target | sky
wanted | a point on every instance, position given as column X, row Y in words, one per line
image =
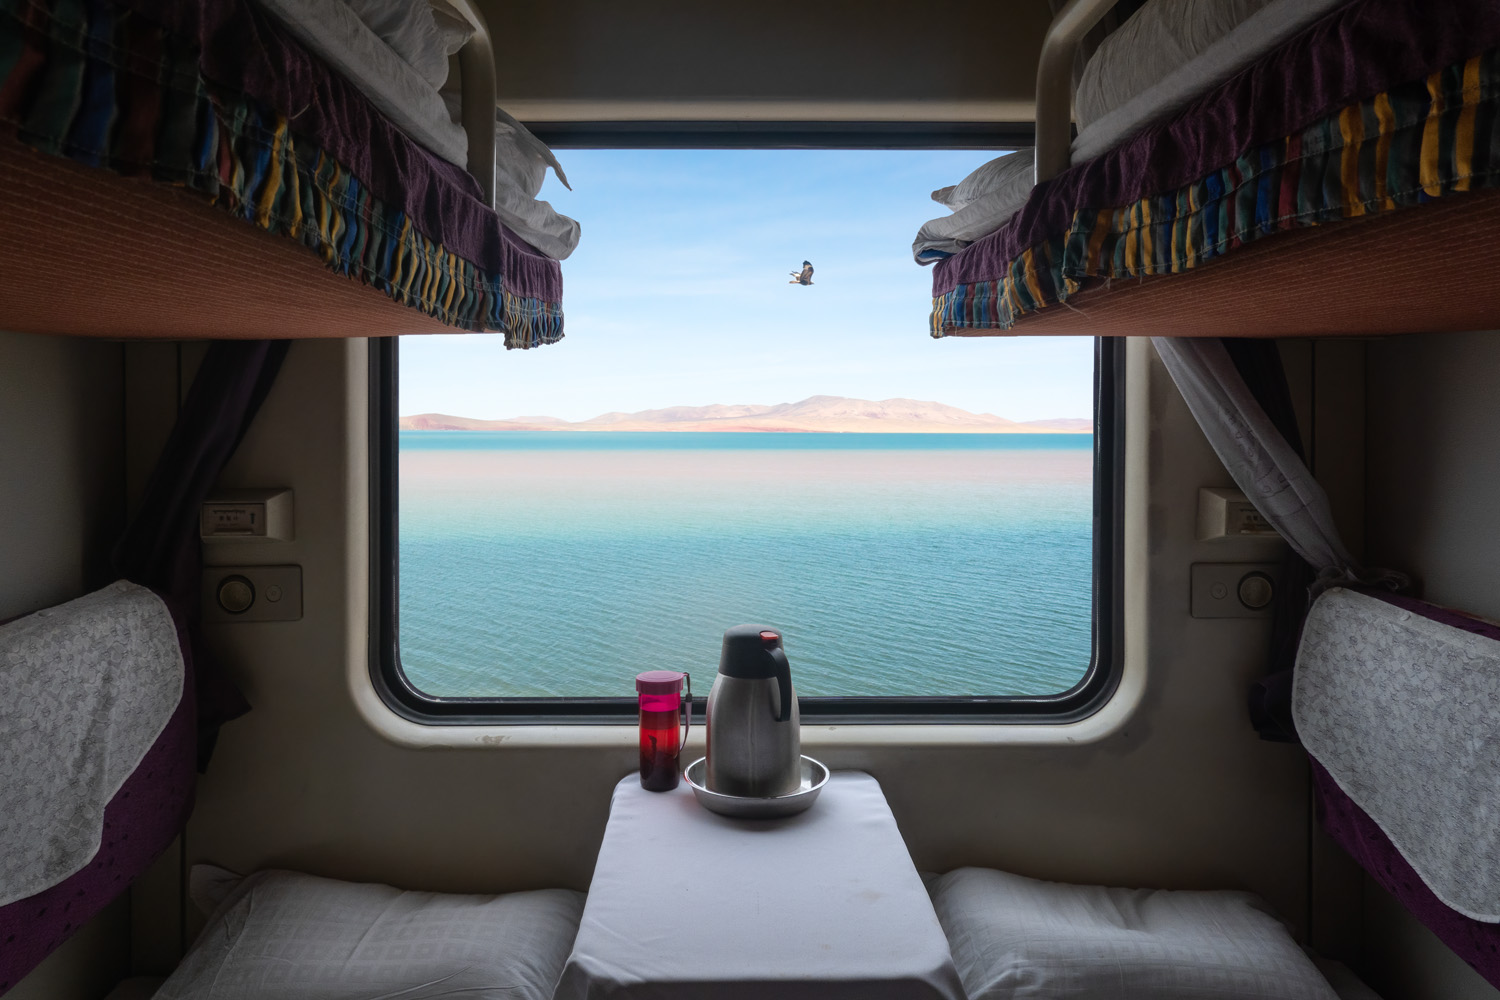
column 679, row 295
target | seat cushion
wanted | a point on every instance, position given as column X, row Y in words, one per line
column 1015, row 937
column 281, row 935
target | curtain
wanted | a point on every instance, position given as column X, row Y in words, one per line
column 160, row 547
column 1237, row 392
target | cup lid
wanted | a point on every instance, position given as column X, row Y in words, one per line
column 659, row 682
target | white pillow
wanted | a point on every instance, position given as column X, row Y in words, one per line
column 1154, row 41
column 281, row 935
column 982, row 202
column 454, row 30
column 521, row 162
column 1010, row 175
column 409, row 28
column 1015, row 937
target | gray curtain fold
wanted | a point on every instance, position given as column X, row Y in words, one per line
column 160, row 547
column 1237, row 392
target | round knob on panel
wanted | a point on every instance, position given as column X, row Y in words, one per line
column 1256, row 590
column 236, row 594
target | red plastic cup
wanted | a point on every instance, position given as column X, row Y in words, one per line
column 663, row 726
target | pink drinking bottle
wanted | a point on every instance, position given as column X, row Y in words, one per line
column 661, row 704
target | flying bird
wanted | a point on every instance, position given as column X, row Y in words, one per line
column 804, row 276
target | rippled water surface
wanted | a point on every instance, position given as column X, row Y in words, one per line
column 563, row 563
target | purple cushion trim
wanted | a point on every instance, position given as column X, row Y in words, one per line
column 1476, row 943
column 1351, row 55
column 1439, row 614
column 140, row 822
column 243, row 49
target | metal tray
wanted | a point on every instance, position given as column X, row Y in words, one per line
column 814, row 777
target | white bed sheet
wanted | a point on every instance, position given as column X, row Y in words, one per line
column 1167, row 54
column 334, row 32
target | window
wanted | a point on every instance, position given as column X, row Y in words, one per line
column 930, row 524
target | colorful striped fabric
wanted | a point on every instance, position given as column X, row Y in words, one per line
column 1414, row 143
column 104, row 87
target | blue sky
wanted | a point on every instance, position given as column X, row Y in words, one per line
column 678, row 294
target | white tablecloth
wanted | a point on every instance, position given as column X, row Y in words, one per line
column 687, row 904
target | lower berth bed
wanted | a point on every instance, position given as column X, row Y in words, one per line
column 1014, row 937
column 280, row 935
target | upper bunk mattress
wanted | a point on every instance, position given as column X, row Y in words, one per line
column 1168, row 53
column 216, row 98
column 1171, row 51
column 1374, row 107
column 332, row 30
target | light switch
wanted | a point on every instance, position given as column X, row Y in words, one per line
column 1225, row 513
column 252, row 593
column 247, row 516
column 1234, row 590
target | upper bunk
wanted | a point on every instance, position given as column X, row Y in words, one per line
column 229, row 169
column 1304, row 167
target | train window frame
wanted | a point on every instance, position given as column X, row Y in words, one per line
column 1087, row 697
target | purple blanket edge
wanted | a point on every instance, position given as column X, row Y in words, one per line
column 1353, row 829
column 140, row 822
column 1352, row 54
column 246, row 50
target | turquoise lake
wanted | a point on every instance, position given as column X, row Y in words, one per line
column 563, row 563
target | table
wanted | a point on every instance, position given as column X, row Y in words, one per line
column 685, row 904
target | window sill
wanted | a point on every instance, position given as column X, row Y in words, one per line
column 1111, row 718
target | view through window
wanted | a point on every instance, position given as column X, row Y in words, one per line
column 715, row 443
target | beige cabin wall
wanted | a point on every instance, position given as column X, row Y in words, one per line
column 1183, row 795
column 1433, row 479
column 61, row 446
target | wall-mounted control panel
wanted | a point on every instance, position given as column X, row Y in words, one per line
column 1234, row 590
column 252, row 593
column 1225, row 513
column 247, row 516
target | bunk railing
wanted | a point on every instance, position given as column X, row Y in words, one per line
column 1054, row 83
column 476, row 73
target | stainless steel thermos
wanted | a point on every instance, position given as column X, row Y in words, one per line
column 754, row 729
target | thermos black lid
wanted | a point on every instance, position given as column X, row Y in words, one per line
column 751, row 652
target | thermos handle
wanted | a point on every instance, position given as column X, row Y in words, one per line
column 687, row 714
column 783, row 682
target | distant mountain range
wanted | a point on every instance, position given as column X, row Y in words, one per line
column 814, row 414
